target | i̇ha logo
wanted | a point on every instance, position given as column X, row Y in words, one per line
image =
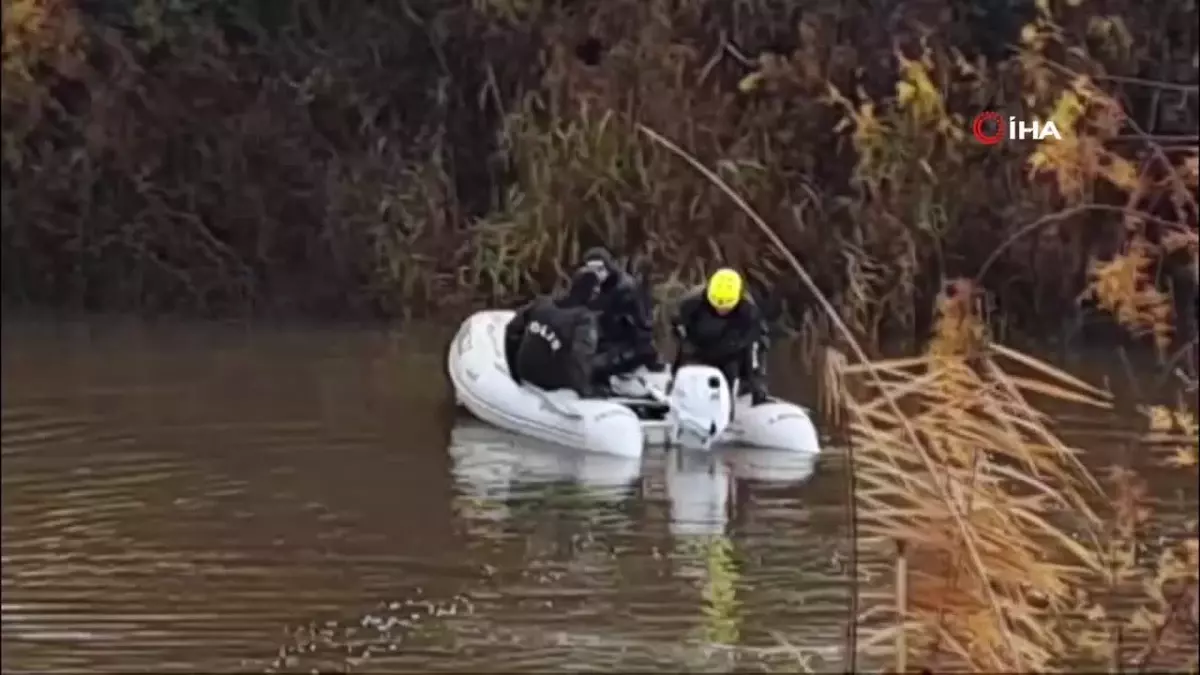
column 990, row 128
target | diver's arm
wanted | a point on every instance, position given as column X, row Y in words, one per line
column 681, row 322
column 583, row 352
column 685, row 312
column 635, row 344
column 641, row 313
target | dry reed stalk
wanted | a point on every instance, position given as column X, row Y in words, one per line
column 1004, row 469
column 966, row 478
column 901, row 605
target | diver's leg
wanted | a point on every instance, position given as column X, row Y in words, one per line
column 753, row 373
column 755, row 366
column 581, row 360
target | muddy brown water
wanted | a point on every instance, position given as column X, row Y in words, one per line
column 186, row 498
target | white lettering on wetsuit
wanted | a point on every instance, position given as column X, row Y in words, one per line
column 546, row 333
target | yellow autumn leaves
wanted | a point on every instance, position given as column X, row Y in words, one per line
column 1177, row 431
column 1086, row 118
column 914, row 130
column 1124, row 287
column 36, row 32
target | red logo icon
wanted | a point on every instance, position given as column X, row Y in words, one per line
column 988, row 128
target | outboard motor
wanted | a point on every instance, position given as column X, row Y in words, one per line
column 701, row 407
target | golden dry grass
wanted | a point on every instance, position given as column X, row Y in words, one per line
column 1012, row 556
column 972, row 500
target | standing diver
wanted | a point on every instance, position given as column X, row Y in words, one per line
column 719, row 324
column 551, row 342
column 626, row 323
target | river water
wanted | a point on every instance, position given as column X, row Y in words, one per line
column 186, row 498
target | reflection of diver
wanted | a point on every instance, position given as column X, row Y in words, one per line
column 707, row 493
column 700, row 489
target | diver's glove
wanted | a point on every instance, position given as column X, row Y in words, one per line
column 655, row 365
column 611, row 361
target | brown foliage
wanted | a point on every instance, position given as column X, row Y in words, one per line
column 400, row 158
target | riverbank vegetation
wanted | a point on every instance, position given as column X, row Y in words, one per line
column 401, row 159
column 1007, row 553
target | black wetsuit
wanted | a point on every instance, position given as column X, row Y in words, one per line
column 735, row 343
column 552, row 346
column 625, row 320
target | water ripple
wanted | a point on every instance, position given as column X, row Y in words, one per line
column 220, row 501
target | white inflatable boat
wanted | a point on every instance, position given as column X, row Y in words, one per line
column 698, row 411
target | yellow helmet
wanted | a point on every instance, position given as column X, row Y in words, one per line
column 724, row 290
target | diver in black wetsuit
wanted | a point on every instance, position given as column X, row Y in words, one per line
column 718, row 324
column 625, row 320
column 551, row 343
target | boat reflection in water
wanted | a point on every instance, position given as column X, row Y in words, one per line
column 493, row 467
column 638, row 553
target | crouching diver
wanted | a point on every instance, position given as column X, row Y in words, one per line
column 551, row 343
column 625, row 320
column 719, row 325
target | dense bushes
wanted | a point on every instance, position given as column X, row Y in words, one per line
column 389, row 157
